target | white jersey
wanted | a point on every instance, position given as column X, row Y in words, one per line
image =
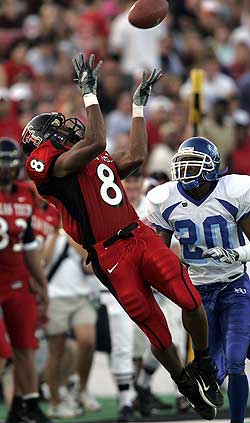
column 69, row 279
column 206, row 223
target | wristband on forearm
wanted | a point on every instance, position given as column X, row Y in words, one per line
column 137, row 111
column 244, row 252
column 90, row 99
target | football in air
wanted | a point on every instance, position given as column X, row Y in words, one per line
column 147, row 13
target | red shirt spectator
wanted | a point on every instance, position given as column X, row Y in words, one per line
column 92, row 31
column 15, row 68
column 9, row 125
column 239, row 157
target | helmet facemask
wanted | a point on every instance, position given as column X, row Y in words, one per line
column 192, row 169
column 66, row 131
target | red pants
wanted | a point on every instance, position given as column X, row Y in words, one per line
column 5, row 349
column 129, row 268
column 20, row 317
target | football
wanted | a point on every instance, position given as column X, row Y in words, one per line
column 147, row 13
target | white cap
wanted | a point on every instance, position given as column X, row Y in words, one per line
column 241, row 117
column 4, row 93
column 211, row 6
column 241, row 35
column 20, row 91
column 160, row 103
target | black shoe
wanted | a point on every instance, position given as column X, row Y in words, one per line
column 125, row 414
column 34, row 414
column 182, row 405
column 204, row 372
column 189, row 388
column 16, row 411
column 147, row 403
column 142, row 402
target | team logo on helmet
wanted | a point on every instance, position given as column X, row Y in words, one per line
column 30, row 136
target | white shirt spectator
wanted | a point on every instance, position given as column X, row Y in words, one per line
column 140, row 48
column 221, row 85
column 69, row 279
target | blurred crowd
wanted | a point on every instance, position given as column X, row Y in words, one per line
column 38, row 40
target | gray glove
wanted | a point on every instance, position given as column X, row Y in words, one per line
column 86, row 73
column 222, row 255
column 143, row 91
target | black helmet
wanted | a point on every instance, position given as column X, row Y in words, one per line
column 10, row 160
column 51, row 126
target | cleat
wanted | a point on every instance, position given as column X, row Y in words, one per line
column 189, row 388
column 147, row 403
column 204, row 373
column 142, row 401
column 35, row 415
column 89, row 402
column 65, row 410
column 125, row 414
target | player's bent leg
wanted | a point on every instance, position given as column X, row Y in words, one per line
column 135, row 294
column 177, row 286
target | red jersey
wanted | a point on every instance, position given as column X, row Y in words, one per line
column 45, row 221
column 15, row 233
column 92, row 202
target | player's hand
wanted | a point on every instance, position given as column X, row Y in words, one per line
column 42, row 302
column 143, row 91
column 222, row 255
column 42, row 299
column 86, row 73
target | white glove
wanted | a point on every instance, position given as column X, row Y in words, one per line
column 222, row 255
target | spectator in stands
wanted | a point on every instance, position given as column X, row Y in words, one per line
column 244, row 90
column 216, row 84
column 238, row 161
column 9, row 125
column 92, row 30
column 159, row 111
column 16, row 68
column 241, row 60
column 132, row 54
column 218, row 127
column 119, row 121
column 162, row 153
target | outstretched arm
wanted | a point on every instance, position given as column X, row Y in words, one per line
column 136, row 154
column 94, row 142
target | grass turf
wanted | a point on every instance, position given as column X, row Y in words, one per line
column 109, row 412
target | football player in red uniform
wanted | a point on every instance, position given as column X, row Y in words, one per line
column 71, row 169
column 18, row 260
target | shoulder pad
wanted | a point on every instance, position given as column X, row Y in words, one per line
column 160, row 193
column 236, row 185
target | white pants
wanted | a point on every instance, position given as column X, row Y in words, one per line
column 121, row 334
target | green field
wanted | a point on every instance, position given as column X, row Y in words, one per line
column 109, row 412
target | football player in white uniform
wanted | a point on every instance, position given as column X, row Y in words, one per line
column 209, row 214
